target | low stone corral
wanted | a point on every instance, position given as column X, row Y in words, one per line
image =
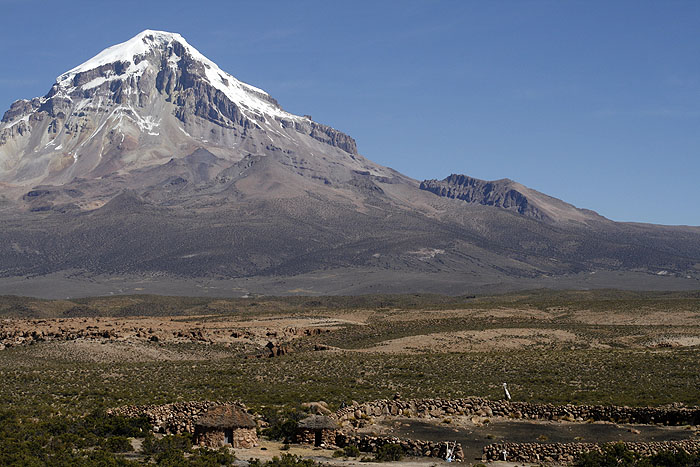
column 175, row 418
column 317, row 430
column 567, row 453
column 411, row 447
column 226, row 425
column 436, row 408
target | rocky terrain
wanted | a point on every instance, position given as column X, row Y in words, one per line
column 510, row 195
column 107, row 339
column 149, row 164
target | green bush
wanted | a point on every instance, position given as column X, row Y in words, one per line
column 62, row 441
column 612, row 455
column 389, row 452
column 169, row 450
column 101, row 424
column 616, row 455
column 205, row 457
column 287, row 460
column 675, row 459
column 282, row 425
column 118, row 444
column 349, row 451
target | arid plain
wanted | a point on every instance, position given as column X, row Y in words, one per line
column 68, row 358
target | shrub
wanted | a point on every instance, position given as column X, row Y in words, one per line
column 287, row 460
column 118, row 444
column 101, row 424
column 613, row 455
column 347, row 451
column 282, row 425
column 351, row 451
column 205, row 457
column 389, row 452
column 169, row 450
column 617, row 455
column 675, row 459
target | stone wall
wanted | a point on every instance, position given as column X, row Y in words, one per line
column 174, row 418
column 308, row 436
column 567, row 453
column 436, row 408
column 418, row 448
column 210, row 437
column 245, row 438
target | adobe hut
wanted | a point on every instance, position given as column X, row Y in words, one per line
column 225, row 424
column 317, row 430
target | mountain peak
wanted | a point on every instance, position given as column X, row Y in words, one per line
column 139, row 104
column 134, row 52
column 127, row 51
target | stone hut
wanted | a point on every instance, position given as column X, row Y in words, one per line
column 225, row 425
column 317, row 430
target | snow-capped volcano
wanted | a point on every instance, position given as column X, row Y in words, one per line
column 149, row 160
column 141, row 103
column 170, row 47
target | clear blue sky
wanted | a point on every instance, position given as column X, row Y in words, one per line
column 594, row 102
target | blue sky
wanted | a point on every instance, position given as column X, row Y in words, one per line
column 594, row 102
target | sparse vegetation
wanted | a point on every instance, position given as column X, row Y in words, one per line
column 54, row 403
column 617, row 455
column 286, row 460
column 347, row 451
column 282, row 424
column 389, row 453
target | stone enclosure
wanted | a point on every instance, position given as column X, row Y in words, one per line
column 336, row 429
column 476, row 406
column 566, row 453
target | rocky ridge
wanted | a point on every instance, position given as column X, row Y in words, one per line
column 509, row 195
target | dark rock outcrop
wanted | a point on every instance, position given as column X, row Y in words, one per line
column 499, row 193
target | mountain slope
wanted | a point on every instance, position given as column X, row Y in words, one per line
column 150, row 161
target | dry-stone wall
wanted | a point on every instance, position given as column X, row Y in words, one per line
column 566, row 453
column 169, row 418
column 435, row 408
column 367, row 443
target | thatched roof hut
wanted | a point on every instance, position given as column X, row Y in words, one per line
column 226, row 424
column 225, row 416
column 318, row 430
column 318, row 422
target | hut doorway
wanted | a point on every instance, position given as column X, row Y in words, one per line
column 228, row 436
column 318, row 438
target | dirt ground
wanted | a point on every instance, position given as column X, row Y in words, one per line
column 476, row 341
column 475, row 433
column 493, row 329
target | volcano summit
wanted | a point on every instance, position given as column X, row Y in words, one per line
column 148, row 164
